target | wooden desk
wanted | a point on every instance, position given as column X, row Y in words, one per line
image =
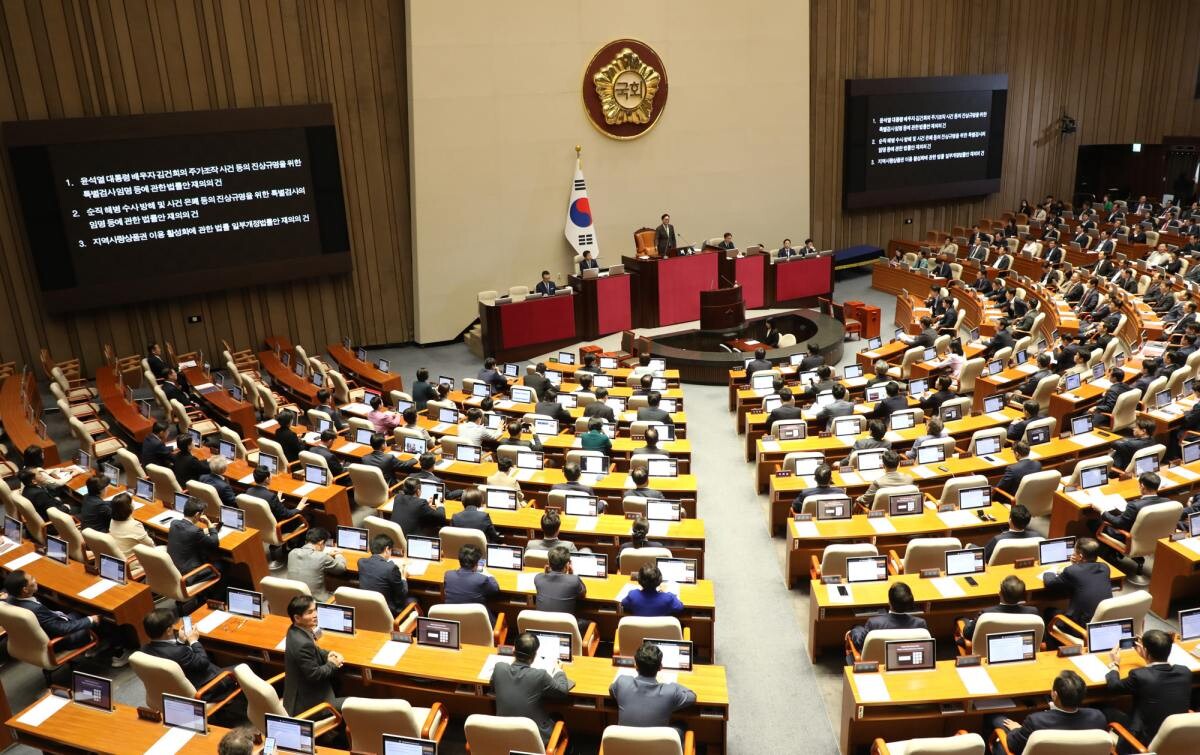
column 242, row 550
column 829, row 620
column 221, row 405
column 1072, row 514
column 1176, row 575
column 83, row 729
column 799, row 281
column 125, row 604
column 300, row 390
column 424, row 675
column 518, row 330
column 667, row 289
column 334, row 500
column 20, row 431
column 123, row 411
column 603, row 305
column 915, row 697
column 364, row 373
column 602, row 604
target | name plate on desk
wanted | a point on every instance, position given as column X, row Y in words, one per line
column 832, row 579
column 801, row 518
column 866, row 667
column 876, row 514
column 931, row 573
column 1067, row 651
column 1023, row 563
column 967, row 660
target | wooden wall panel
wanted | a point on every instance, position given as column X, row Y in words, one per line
column 81, row 58
column 1123, row 68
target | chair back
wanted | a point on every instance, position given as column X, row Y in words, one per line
column 208, row 494
column 162, row 576
column 370, row 490
column 812, row 503
column 633, row 559
column 1066, row 742
column 261, row 697
column 554, row 622
column 640, row 740
column 500, row 735
column 953, row 485
column 377, row 525
column 833, row 558
column 1129, row 605
column 27, row 641
column 995, row 623
column 165, row 483
column 1175, row 381
column 1047, row 422
column 369, row 718
column 971, row 370
column 278, row 592
column 992, row 432
column 928, row 553
column 272, row 448
column 239, row 448
column 1003, row 355
column 875, row 645
column 1178, row 735
column 577, row 455
column 777, row 428
column 632, row 631
column 454, row 538
column 1036, row 491
column 1014, row 549
column 308, row 457
column 131, row 466
column 509, row 452
column 911, row 357
column 475, row 627
column 259, row 517
column 1076, row 475
column 34, row 524
column 1158, row 450
column 634, row 504
column 1156, row 385
column 1045, row 388
column 960, row 744
column 1153, row 523
column 371, row 611
column 64, row 525
column 880, row 502
column 158, row 676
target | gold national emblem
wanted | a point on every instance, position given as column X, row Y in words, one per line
column 626, row 88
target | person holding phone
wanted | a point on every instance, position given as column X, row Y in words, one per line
column 182, row 647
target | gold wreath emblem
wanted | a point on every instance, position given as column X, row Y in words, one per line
column 626, row 87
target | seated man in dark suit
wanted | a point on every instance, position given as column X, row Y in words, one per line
column 286, row 437
column 467, row 583
column 1159, row 689
column 41, row 498
column 726, row 242
column 279, row 509
column 193, row 542
column 325, row 405
column 309, row 670
column 894, row 402
column 414, row 514
column 1018, row 522
column 520, row 688
column 932, row 403
column 642, row 700
column 1085, row 580
column 378, row 457
column 545, row 285
column 172, row 389
column 1014, row 473
column 559, row 589
column 1002, row 340
column 588, row 263
column 572, row 472
column 472, row 517
column 216, row 478
column 1044, row 362
column 490, row 375
column 641, row 485
column 599, row 408
column 652, row 413
column 823, row 476
column 1066, row 699
column 549, row 407
column 1108, row 401
column 95, row 512
column 877, row 437
column 839, row 407
column 760, row 363
column 1016, row 430
column 786, row 410
column 1148, row 484
column 158, row 365
column 899, row 615
column 186, row 651
column 187, row 466
column 321, row 448
column 1124, row 449
column 925, row 338
column 1012, row 601
column 813, row 359
column 77, row 629
column 154, row 447
column 380, row 573
column 824, row 383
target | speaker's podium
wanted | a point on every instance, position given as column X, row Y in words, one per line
column 602, row 302
column 722, row 309
column 667, row 289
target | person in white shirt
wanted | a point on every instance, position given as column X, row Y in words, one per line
column 473, row 432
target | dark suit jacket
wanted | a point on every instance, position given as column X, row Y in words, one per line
column 601, row 410
column 331, row 459
column 1002, row 340
column 1158, row 691
column 422, row 392
column 415, row 515
column 787, row 411
column 1126, row 518
column 190, row 546
column 278, row 509
column 1081, row 720
column 158, row 367
column 95, row 512
column 339, row 422
column 1089, row 301
column 798, row 501
column 1087, row 583
column 290, row 442
column 520, row 689
column 308, row 678
column 187, row 468
column 1006, row 535
column 224, row 491
column 54, row 623
column 858, row 635
column 192, row 659
column 463, row 586
column 933, row 402
column 1029, row 386
column 654, row 414
column 154, row 451
column 545, row 287
column 384, row 577
column 1013, row 474
column 1124, row 449
column 1109, row 400
column 664, row 238
column 538, row 382
column 555, row 410
column 386, row 463
column 585, row 264
column 476, row 519
column 890, row 404
column 43, row 500
column 174, row 392
column 558, row 591
column 758, row 365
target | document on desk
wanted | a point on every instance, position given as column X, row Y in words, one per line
column 525, row 582
column 248, row 479
column 834, row 593
column 998, row 416
column 657, row 529
column 957, row 518
column 891, row 436
column 585, row 523
column 525, row 475
column 489, row 665
column 18, row 563
column 870, row 475
column 97, row 588
column 770, row 446
column 1181, row 657
column 977, row 680
column 1103, row 384
column 882, row 525
column 212, row 621
column 418, row 566
column 441, row 427
column 1108, row 502
column 1183, row 473
column 444, row 464
column 1028, row 368
column 806, row 529
column 871, row 688
column 38, row 714
column 1090, row 665
column 921, row 471
column 851, row 478
column 349, row 448
column 171, row 742
column 391, row 653
column 357, row 408
column 282, row 644
column 305, row 489
column 1192, row 544
column 948, row 587
column 267, row 425
column 165, row 518
column 1069, row 396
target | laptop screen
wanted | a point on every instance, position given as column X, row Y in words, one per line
column 424, row 548
column 966, row 561
column 394, row 744
column 552, row 646
column 290, row 734
column 567, row 400
column 870, row 460
column 144, row 489
column 501, row 498
column 594, row 464
column 866, row 569
column 414, row 445
column 233, row 518
column 951, row 412
column 676, row 654
column 844, row 428
column 876, row 393
column 874, row 343
column 480, row 390
column 56, row 549
column 1146, row 464
column 902, row 420
column 505, row 556
column 918, row 386
column 112, row 473
column 987, row 445
column 616, row 403
column 1191, row 451
column 662, row 467
column 590, row 564
column 581, row 505
column 661, row 510
column 112, row 569
column 1093, row 476
column 904, row 504
column 431, row 489
column 807, row 465
column 678, row 570
column 1037, row 435
column 771, row 403
column 602, row 381
column 834, row 508
column 180, row 501
column 447, row 415
column 521, row 395
column 12, row 530
column 446, row 380
column 529, row 460
column 92, row 691
column 1105, row 635
column 269, row 461
column 316, row 474
column 184, row 713
column 245, row 603
column 762, row 382
column 1193, row 525
column 797, row 431
column 657, row 364
column 335, row 618
column 1007, row 647
column 1072, row 381
column 363, row 435
column 1189, row 624
column 852, row 371
column 911, row 655
column 1056, row 551
column 1081, row 425
column 545, row 427
column 931, row 453
column 974, row 498
column 469, row 454
column 440, row 633
column 993, row 404
column 352, row 538
column 995, row 366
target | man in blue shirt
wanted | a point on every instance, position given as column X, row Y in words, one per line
column 648, row 601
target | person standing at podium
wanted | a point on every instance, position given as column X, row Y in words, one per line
column 545, row 285
column 727, row 242
column 587, row 263
column 664, row 236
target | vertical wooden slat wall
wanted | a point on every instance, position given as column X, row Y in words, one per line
column 82, row 58
column 1125, row 69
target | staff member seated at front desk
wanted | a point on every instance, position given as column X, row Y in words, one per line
column 786, row 251
column 727, row 242
column 587, row 263
column 545, row 285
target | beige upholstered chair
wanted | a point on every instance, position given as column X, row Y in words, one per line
column 130, row 465
column 262, row 698
column 875, row 645
column 581, row 644
column 501, row 735
column 633, row 559
column 960, row 744
column 475, row 627
column 971, row 371
column 1036, row 492
column 165, row 580
column 1153, row 523
column 923, row 553
column 377, row 525
column 278, row 592
column 1063, row 742
column 65, row 528
column 102, row 543
column 1129, row 605
column 1178, row 735
column 28, row 642
column 645, row 740
column 833, row 558
column 883, row 495
column 953, row 485
column 1012, row 550
column 1157, row 450
column 369, row 718
column 165, row 483
column 161, row 676
column 371, row 611
column 34, row 524
column 995, row 623
column 370, row 489
column 202, row 491
column 272, row 531
column 454, row 538
column 632, row 631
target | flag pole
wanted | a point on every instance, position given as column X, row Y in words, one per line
column 578, row 149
